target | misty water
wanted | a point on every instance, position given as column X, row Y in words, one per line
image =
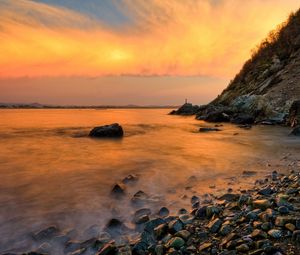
column 51, row 173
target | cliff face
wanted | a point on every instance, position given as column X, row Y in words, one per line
column 269, row 82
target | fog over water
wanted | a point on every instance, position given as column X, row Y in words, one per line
column 53, row 174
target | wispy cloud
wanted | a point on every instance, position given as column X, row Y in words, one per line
column 171, row 37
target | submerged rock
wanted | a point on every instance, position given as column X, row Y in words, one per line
column 208, row 129
column 112, row 130
column 118, row 190
column 46, row 233
column 131, row 178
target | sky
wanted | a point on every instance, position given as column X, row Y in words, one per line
column 147, row 52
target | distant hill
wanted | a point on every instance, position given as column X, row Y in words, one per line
column 46, row 106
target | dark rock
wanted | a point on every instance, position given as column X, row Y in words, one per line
column 195, row 199
column 140, row 198
column 201, row 212
column 139, row 248
column 176, row 242
column 275, row 233
column 46, row 233
column 242, row 119
column 266, row 191
column 150, row 225
column 196, row 205
column 208, row 129
column 183, row 234
column 118, row 190
column 141, row 212
column 131, row 178
column 115, row 227
column 108, row 249
column 113, row 130
column 214, row 225
column 283, row 210
column 296, row 236
column 141, row 219
column 182, row 211
column 249, row 173
column 163, row 212
column 175, row 226
column 186, row 109
column 217, row 116
column 161, row 230
column 72, row 246
column 229, row 197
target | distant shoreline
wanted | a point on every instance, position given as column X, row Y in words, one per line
column 102, row 107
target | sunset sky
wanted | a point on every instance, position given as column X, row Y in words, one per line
column 128, row 51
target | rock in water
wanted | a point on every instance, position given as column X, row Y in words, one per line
column 208, row 129
column 113, row 130
column 118, row 190
column 186, row 109
column 46, row 233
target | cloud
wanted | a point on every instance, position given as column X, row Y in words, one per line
column 171, row 37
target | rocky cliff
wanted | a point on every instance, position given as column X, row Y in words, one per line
column 268, row 84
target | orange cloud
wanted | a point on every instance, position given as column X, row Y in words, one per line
column 168, row 37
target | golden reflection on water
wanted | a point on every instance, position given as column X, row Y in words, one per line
column 52, row 173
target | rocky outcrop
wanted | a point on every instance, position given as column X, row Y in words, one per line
column 268, row 86
column 186, row 109
column 113, row 130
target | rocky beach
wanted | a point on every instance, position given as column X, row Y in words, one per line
column 264, row 219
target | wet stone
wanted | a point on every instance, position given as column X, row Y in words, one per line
column 275, row 233
column 46, row 233
column 214, row 225
column 195, row 199
column 118, row 190
column 242, row 248
column 283, row 210
column 163, row 212
column 182, row 211
column 184, row 234
column 176, row 243
column 262, row 204
column 175, row 226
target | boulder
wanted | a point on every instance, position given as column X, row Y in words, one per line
column 112, row 130
column 294, row 114
column 186, row 109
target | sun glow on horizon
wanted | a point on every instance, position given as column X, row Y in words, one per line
column 171, row 38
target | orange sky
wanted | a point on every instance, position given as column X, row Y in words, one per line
column 210, row 38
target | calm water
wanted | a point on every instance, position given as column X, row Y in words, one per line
column 51, row 173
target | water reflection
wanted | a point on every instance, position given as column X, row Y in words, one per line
column 52, row 173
